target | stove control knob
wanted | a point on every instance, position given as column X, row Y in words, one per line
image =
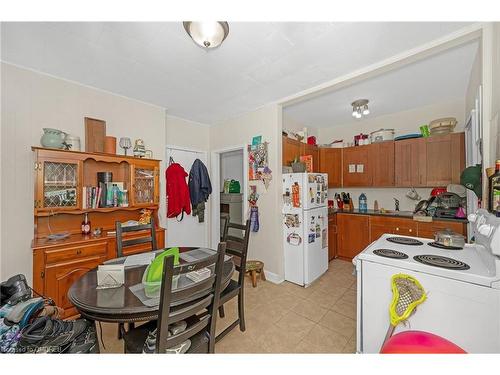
column 472, row 217
column 485, row 230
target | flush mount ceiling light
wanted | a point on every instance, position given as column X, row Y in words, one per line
column 360, row 108
column 209, row 34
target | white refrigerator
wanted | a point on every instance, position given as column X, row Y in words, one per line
column 305, row 226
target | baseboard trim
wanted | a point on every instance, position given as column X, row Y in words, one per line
column 274, row 278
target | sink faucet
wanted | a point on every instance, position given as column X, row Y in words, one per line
column 396, row 204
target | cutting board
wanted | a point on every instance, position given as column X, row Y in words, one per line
column 95, row 131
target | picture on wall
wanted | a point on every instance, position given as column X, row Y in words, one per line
column 257, row 160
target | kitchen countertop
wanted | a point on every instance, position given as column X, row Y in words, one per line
column 402, row 214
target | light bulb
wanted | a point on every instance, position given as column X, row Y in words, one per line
column 358, row 114
column 354, row 113
column 366, row 111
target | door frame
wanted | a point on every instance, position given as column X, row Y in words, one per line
column 164, row 163
column 216, row 188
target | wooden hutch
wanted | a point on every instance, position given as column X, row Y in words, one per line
column 60, row 178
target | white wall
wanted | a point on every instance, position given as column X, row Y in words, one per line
column 31, row 101
column 265, row 245
column 404, row 122
column 189, row 134
column 231, row 167
column 295, row 126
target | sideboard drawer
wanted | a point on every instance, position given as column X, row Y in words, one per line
column 75, row 252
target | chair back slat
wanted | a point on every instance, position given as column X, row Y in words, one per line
column 224, row 221
column 238, row 247
column 168, row 315
column 121, row 243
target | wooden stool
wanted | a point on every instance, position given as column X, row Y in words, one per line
column 253, row 267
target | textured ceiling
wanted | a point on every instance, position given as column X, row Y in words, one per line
column 437, row 79
column 257, row 64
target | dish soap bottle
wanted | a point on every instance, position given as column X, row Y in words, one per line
column 363, row 203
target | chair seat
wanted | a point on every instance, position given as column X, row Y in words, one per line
column 229, row 292
column 134, row 339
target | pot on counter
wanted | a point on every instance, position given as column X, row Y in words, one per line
column 449, row 238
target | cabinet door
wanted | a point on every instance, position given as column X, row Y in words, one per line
column 332, row 237
column 314, row 152
column 410, row 163
column 405, row 227
column 427, row 230
column 439, row 155
column 60, row 277
column 291, row 150
column 145, row 185
column 382, row 159
column 354, row 235
column 457, row 156
column 58, row 184
column 377, row 230
column 356, row 166
column 330, row 162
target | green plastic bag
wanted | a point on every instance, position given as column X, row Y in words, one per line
column 234, row 186
column 155, row 269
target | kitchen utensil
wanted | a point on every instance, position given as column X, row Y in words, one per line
column 408, row 136
column 442, row 125
column 436, row 191
column 407, row 294
column 52, row 138
column 448, row 200
column 421, row 207
column 95, row 131
column 382, row 135
column 72, row 142
column 412, row 194
column 449, row 238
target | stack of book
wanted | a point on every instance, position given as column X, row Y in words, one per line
column 92, row 196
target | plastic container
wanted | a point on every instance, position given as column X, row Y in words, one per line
column 363, row 203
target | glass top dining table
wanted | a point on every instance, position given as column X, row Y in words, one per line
column 122, row 304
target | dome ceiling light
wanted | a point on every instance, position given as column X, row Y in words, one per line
column 207, row 34
column 360, row 108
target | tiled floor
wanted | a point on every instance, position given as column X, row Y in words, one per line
column 286, row 318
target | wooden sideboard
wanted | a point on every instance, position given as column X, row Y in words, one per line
column 57, row 264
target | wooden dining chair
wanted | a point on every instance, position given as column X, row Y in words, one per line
column 224, row 222
column 237, row 246
column 121, row 243
column 199, row 313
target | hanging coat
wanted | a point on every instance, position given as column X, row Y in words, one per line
column 200, row 188
column 178, row 200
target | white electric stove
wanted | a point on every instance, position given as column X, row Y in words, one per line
column 462, row 286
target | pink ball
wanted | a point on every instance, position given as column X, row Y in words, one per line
column 419, row 342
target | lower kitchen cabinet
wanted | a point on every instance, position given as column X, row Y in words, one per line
column 353, row 234
column 427, row 230
column 382, row 224
column 332, row 236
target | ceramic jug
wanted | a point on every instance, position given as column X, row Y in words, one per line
column 52, row 138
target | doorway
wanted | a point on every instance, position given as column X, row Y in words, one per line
column 189, row 231
column 230, row 182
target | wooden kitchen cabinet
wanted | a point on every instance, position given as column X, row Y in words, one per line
column 314, row 152
column 445, row 159
column 409, row 163
column 427, row 230
column 394, row 225
column 330, row 162
column 353, row 234
column 291, row 149
column 356, row 166
column 332, row 236
column 382, row 159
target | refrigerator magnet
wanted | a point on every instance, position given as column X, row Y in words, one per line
column 312, row 237
column 294, row 239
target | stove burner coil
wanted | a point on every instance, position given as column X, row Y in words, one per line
column 388, row 253
column 444, row 247
column 442, row 262
column 405, row 241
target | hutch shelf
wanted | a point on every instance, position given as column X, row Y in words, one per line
column 60, row 178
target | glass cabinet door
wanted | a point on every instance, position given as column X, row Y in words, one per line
column 145, row 185
column 59, row 185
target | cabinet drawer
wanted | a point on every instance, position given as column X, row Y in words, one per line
column 395, row 225
column 75, row 252
column 427, row 230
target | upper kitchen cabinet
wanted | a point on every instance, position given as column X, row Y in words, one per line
column 330, row 162
column 445, row 159
column 382, row 159
column 409, row 163
column 356, row 166
column 291, row 149
column 430, row 162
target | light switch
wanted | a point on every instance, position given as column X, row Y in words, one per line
column 352, row 168
column 360, row 168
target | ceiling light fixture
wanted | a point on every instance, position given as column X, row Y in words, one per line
column 360, row 108
column 209, row 34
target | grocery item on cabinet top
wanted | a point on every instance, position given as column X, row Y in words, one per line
column 382, row 135
column 442, row 125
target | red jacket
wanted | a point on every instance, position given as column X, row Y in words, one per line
column 178, row 200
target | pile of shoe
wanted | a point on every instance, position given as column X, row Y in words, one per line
column 46, row 335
